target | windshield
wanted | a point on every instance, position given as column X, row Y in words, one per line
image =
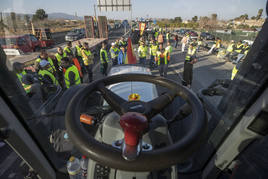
column 192, row 43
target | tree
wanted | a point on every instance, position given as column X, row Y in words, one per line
column 253, row 18
column 178, row 19
column 203, row 22
column 26, row 18
column 259, row 14
column 245, row 16
column 40, row 14
column 194, row 19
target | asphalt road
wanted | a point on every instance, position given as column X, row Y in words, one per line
column 208, row 69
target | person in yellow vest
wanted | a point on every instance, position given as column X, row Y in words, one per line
column 162, row 61
column 167, row 36
column 20, row 73
column 246, row 48
column 190, row 59
column 156, row 33
column 44, row 56
column 71, row 74
column 30, row 83
column 215, row 46
column 229, row 50
column 122, row 42
column 239, row 47
column 239, row 52
column 168, row 50
column 59, row 55
column 199, row 43
column 78, row 53
column 153, row 53
column 142, row 53
column 45, row 73
column 88, row 61
column 104, row 60
column 68, row 49
column 160, row 39
column 114, row 51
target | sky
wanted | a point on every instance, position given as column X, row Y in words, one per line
column 225, row 9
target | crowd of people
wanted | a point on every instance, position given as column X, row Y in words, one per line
column 66, row 68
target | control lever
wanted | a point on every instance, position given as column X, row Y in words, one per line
column 134, row 125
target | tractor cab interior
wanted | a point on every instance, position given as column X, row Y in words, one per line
column 175, row 134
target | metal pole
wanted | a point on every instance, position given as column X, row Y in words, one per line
column 95, row 13
column 131, row 17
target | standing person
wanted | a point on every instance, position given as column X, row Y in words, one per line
column 104, row 59
column 153, row 53
column 71, row 74
column 156, row 34
column 160, row 39
column 88, row 61
column 122, row 56
column 68, row 49
column 190, row 59
column 168, row 50
column 167, row 36
column 44, row 56
column 162, row 61
column 142, row 53
column 59, row 55
column 48, row 77
column 199, row 43
column 122, row 42
column 114, row 51
column 184, row 41
column 176, row 39
column 78, row 53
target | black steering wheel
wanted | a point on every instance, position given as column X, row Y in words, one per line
column 149, row 160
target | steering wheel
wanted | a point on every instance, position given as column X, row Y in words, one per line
column 147, row 160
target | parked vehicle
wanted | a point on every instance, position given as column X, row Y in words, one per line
column 75, row 34
column 33, row 41
column 207, row 36
column 22, row 43
column 44, row 36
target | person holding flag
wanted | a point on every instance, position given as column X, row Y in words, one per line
column 122, row 56
column 114, row 51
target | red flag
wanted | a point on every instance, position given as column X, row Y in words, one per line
column 131, row 58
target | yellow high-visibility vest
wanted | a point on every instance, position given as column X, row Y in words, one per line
column 77, row 76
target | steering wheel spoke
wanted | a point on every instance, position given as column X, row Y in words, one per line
column 110, row 156
column 114, row 100
column 156, row 105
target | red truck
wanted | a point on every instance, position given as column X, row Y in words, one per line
column 22, row 43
